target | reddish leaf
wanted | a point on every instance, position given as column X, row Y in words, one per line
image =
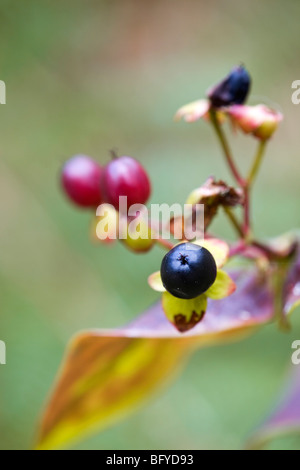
column 292, row 287
column 108, row 373
column 214, row 194
column 285, row 418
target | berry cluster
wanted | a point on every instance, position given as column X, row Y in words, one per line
column 191, row 271
column 88, row 184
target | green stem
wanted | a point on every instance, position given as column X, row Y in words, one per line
column 278, row 282
column 226, row 148
column 247, row 217
column 233, row 221
column 248, row 184
column 257, row 163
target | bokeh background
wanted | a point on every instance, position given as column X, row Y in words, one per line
column 89, row 76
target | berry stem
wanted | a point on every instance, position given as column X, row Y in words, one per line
column 113, row 154
column 271, row 254
column 244, row 231
column 257, row 162
column 279, row 277
column 247, row 219
column 237, row 249
column 248, row 184
column 235, row 223
column 165, row 243
column 226, row 148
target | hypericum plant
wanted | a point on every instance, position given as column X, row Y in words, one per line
column 107, row 373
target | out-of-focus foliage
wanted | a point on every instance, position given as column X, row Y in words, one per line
column 285, row 417
column 89, row 76
column 108, row 373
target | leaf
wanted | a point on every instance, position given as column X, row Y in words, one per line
column 292, row 287
column 258, row 120
column 218, row 248
column 155, row 282
column 222, row 287
column 285, row 419
column 214, row 194
column 196, row 110
column 193, row 111
column 184, row 314
column 107, row 374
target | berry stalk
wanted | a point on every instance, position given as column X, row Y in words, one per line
column 226, row 148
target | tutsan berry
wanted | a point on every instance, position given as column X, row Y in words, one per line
column 80, row 180
column 233, row 89
column 125, row 176
column 188, row 270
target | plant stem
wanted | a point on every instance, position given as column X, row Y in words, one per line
column 237, row 249
column 270, row 252
column 234, row 221
column 164, row 243
column 257, row 162
column 278, row 281
column 247, row 219
column 225, row 147
column 248, row 184
column 113, row 154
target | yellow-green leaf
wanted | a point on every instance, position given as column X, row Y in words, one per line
column 155, row 282
column 103, row 377
column 108, row 374
column 184, row 314
column 222, row 287
column 218, row 248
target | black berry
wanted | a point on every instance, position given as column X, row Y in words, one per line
column 188, row 270
column 233, row 89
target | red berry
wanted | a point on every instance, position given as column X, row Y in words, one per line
column 125, row 176
column 80, row 179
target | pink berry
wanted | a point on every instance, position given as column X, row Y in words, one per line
column 125, row 176
column 80, row 180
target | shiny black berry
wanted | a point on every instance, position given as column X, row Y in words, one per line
column 188, row 270
column 233, row 89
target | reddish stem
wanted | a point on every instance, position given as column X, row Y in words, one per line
column 247, row 220
column 165, row 243
column 226, row 149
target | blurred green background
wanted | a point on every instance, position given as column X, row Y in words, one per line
column 89, row 76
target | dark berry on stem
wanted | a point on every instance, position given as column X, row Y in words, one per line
column 233, row 89
column 125, row 176
column 188, row 270
column 80, row 180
